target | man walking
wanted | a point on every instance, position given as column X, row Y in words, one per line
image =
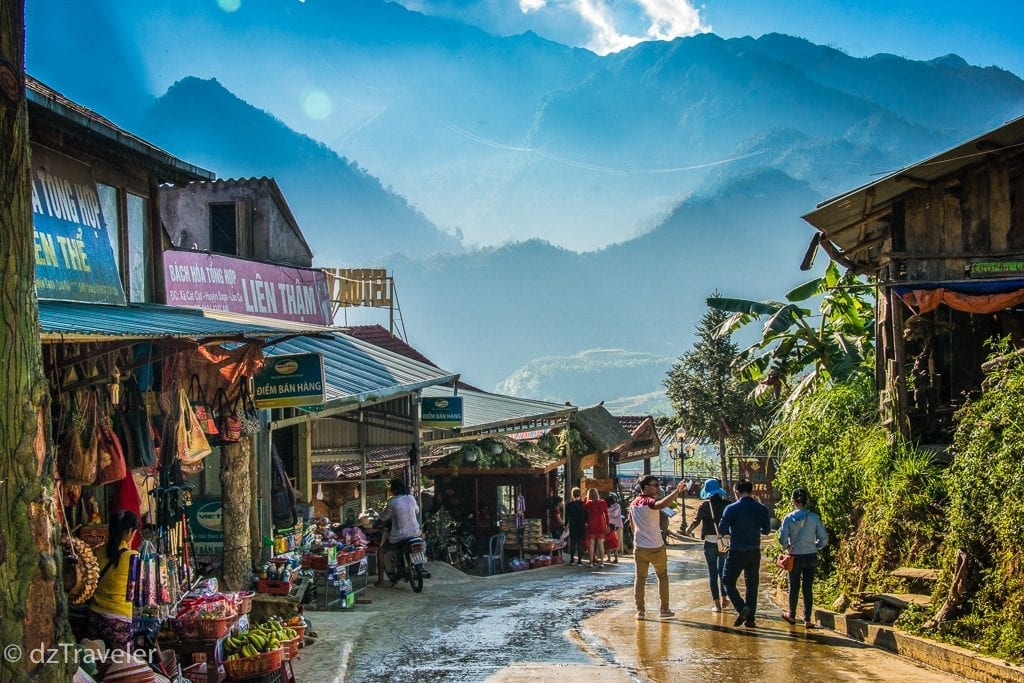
column 745, row 521
column 648, row 544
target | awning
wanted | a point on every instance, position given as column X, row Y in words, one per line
column 483, row 411
column 380, row 462
column 356, row 372
column 971, row 297
column 66, row 321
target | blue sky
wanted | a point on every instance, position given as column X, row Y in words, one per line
column 990, row 32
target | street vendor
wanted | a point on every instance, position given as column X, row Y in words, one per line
column 110, row 611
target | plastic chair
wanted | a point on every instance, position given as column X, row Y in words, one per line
column 495, row 553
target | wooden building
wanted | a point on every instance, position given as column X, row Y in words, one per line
column 944, row 241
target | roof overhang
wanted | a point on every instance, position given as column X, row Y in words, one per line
column 853, row 226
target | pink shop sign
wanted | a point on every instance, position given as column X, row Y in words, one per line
column 221, row 283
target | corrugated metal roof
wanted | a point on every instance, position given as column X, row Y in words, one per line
column 853, row 223
column 482, row 410
column 41, row 95
column 74, row 321
column 378, row 336
column 356, row 371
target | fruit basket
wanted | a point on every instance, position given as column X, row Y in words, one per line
column 246, row 667
column 203, row 629
column 291, row 647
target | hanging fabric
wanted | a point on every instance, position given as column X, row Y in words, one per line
column 77, row 457
column 229, row 425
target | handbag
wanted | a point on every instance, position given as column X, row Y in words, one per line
column 79, row 443
column 784, row 561
column 132, row 424
column 246, row 412
column 722, row 542
column 111, row 464
column 202, row 410
column 191, row 442
column 228, row 423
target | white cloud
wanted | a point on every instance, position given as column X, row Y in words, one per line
column 615, row 25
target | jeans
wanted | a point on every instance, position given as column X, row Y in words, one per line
column 716, row 565
column 748, row 563
column 644, row 558
column 802, row 575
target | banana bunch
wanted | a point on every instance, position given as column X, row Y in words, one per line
column 265, row 637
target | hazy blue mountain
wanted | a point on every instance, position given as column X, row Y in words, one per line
column 345, row 213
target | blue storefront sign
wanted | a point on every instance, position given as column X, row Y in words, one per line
column 441, row 412
column 74, row 259
column 289, row 381
column 205, row 517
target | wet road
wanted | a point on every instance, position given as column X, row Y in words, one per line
column 567, row 623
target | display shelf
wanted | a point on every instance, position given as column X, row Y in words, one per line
column 328, row 595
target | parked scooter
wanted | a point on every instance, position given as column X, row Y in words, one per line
column 460, row 551
column 407, row 563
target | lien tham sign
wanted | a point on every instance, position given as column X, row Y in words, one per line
column 290, row 381
column 441, row 412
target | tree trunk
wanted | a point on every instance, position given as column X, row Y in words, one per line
column 33, row 606
column 954, row 597
column 723, row 461
column 237, row 500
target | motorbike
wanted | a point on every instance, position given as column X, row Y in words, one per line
column 408, row 558
column 460, row 548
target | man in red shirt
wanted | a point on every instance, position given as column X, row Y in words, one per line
column 648, row 545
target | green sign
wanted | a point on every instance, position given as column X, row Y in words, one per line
column 289, row 381
column 441, row 412
column 204, row 522
column 996, row 268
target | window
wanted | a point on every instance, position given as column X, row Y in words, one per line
column 506, row 503
column 223, row 234
column 140, row 284
column 112, row 218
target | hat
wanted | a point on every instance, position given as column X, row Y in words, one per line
column 712, row 487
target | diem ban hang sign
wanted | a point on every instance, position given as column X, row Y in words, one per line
column 441, row 411
column 288, row 381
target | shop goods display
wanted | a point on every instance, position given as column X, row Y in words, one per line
column 259, row 650
column 205, row 616
column 81, row 570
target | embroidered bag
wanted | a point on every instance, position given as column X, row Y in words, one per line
column 202, row 410
column 79, row 444
column 228, row 423
column 246, row 411
column 191, row 442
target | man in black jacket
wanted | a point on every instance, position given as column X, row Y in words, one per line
column 744, row 521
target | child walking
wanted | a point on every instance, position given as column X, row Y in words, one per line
column 615, row 522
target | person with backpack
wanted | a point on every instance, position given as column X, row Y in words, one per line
column 709, row 514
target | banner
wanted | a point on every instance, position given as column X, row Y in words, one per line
column 74, row 259
column 222, row 283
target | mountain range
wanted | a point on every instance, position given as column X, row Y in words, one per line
column 541, row 207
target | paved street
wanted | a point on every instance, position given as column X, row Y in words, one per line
column 575, row 624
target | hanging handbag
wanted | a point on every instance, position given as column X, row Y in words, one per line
column 246, row 412
column 228, row 423
column 79, row 445
column 784, row 561
column 111, row 465
column 202, row 410
column 191, row 443
column 131, row 422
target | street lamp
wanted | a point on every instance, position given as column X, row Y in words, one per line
column 679, row 448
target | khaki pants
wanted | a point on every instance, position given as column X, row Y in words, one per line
column 644, row 558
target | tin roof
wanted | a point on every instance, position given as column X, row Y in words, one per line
column 482, row 411
column 356, row 371
column 70, row 321
column 853, row 225
column 45, row 98
column 379, row 336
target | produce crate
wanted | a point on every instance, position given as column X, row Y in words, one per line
column 200, row 673
column 273, row 587
column 315, row 561
column 203, row 629
column 247, row 667
column 291, row 647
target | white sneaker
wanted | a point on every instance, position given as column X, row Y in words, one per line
column 716, row 608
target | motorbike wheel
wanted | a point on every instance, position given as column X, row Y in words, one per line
column 469, row 561
column 416, row 578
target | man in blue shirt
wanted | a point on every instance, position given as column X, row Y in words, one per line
column 744, row 521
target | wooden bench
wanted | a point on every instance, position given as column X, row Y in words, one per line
column 889, row 605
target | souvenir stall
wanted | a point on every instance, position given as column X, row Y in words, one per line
column 135, row 423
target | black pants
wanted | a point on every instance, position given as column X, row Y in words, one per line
column 802, row 576
column 748, row 563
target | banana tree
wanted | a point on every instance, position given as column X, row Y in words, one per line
column 799, row 348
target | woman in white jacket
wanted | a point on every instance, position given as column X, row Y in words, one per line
column 802, row 535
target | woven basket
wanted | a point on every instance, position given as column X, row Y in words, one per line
column 203, row 629
column 246, row 667
column 291, row 647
